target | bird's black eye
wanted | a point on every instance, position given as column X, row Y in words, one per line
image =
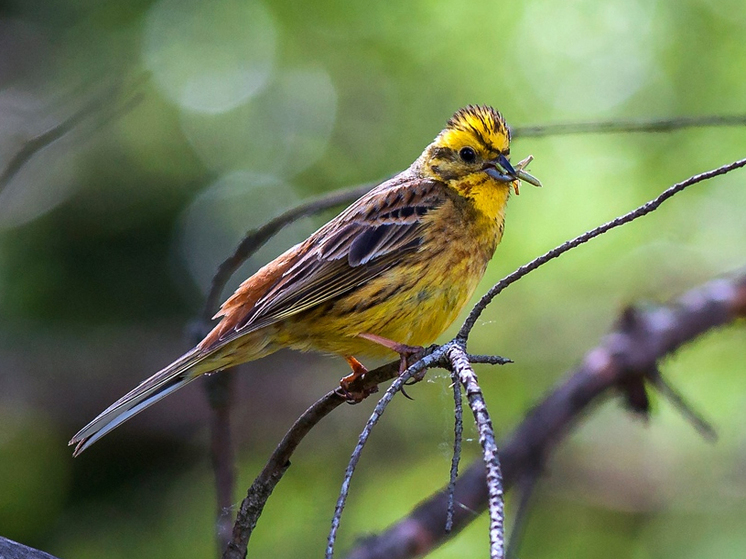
column 468, row 154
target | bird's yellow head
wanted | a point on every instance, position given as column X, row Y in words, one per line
column 472, row 155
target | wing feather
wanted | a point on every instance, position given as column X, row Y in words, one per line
column 357, row 246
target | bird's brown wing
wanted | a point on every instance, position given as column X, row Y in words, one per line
column 364, row 241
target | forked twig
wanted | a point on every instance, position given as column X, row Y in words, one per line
column 458, row 427
column 628, row 352
column 454, row 357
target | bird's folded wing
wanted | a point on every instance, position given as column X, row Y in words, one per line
column 364, row 241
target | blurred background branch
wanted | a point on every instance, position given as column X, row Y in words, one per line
column 104, row 106
column 627, row 126
column 625, row 357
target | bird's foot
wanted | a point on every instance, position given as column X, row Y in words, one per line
column 351, row 387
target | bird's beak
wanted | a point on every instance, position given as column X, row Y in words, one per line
column 501, row 169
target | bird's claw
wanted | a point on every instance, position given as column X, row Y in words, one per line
column 353, row 393
column 352, row 387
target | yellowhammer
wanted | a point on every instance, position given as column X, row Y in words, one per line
column 390, row 272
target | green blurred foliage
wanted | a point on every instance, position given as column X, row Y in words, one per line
column 108, row 238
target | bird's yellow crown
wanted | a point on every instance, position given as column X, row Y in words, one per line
column 479, row 124
column 471, row 156
column 473, row 137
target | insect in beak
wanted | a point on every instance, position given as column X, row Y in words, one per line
column 501, row 169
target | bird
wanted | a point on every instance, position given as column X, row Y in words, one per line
column 387, row 275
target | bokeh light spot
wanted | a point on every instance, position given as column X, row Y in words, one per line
column 282, row 131
column 586, row 56
column 219, row 217
column 210, row 56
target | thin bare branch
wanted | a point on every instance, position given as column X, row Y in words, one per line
column 429, row 360
column 526, row 486
column 702, row 426
column 496, row 504
column 458, row 430
column 645, row 209
column 626, row 126
column 262, row 487
column 630, row 351
column 488, row 359
column 220, row 391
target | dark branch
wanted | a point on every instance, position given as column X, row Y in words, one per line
column 629, row 352
column 645, row 209
column 526, row 486
column 636, row 125
column 219, row 389
column 702, row 426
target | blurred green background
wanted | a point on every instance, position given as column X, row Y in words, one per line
column 109, row 237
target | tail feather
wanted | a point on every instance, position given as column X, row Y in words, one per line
column 150, row 391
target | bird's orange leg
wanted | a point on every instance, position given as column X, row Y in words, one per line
column 406, row 352
column 351, row 385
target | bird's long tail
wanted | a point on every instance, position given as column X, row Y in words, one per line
column 164, row 382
